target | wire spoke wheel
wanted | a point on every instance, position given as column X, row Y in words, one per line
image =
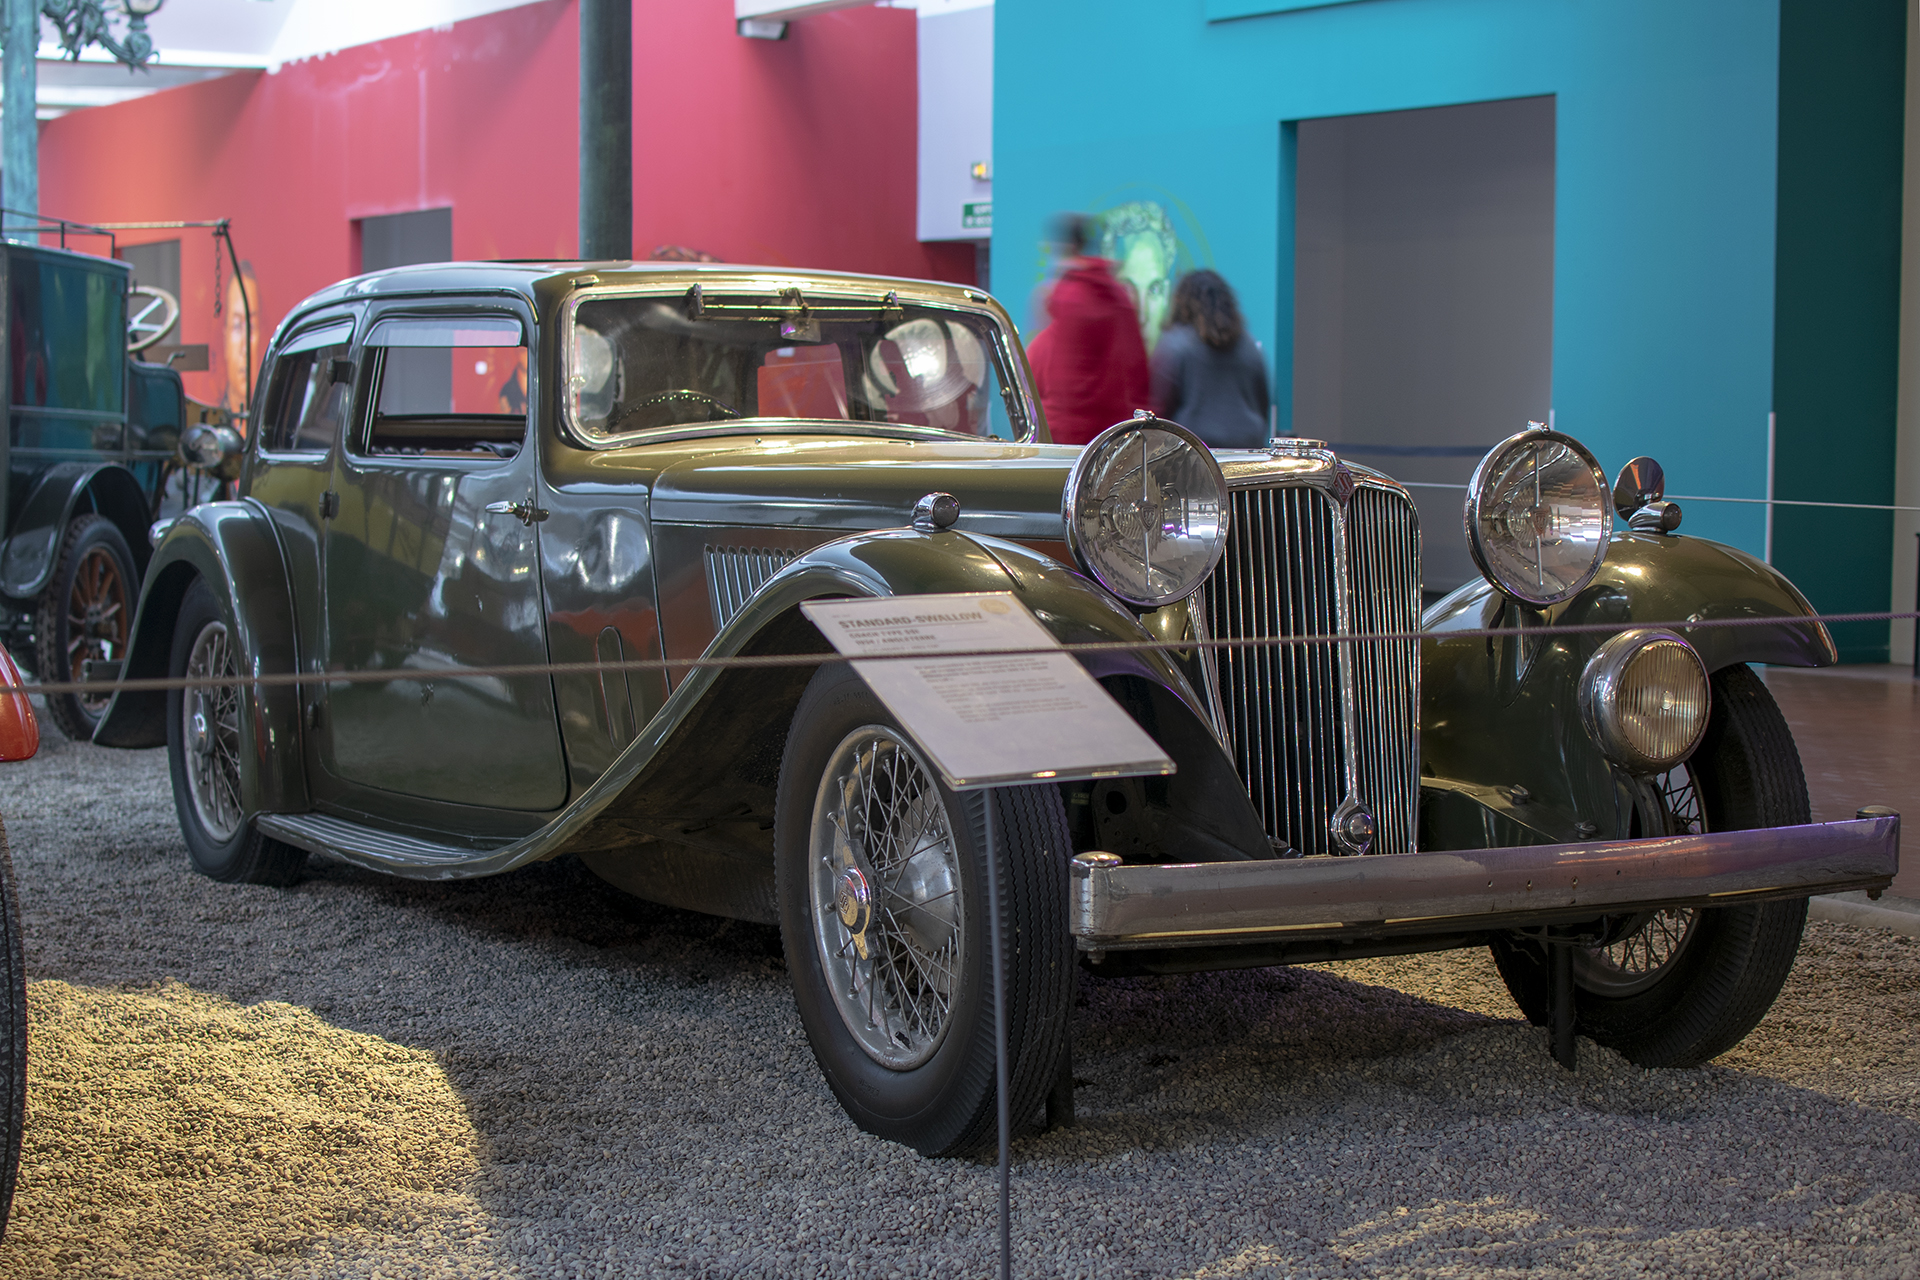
column 97, row 618
column 210, row 727
column 1679, row 986
column 1636, row 961
column 885, row 897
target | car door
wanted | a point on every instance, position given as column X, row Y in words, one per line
column 432, row 568
column 309, row 388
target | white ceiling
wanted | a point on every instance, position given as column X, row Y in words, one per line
column 198, row 39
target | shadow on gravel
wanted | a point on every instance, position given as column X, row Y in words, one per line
column 557, row 905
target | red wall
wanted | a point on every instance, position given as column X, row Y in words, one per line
column 797, row 152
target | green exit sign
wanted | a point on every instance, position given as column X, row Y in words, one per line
column 977, row 214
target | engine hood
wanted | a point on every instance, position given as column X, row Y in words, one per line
column 1006, row 490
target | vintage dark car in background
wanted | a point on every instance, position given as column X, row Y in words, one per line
column 476, row 466
column 92, row 435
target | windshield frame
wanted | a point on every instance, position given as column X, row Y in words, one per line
column 1016, row 394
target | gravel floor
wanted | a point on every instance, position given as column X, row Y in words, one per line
column 536, row 1076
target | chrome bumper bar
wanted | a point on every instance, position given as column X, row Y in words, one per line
column 1121, row 907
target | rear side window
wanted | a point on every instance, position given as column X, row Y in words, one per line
column 64, row 340
column 307, row 399
column 448, row 387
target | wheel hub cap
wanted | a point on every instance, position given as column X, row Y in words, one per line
column 853, row 902
column 198, row 737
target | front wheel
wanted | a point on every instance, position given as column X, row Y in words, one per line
column 1685, row 985
column 883, row 909
column 207, row 738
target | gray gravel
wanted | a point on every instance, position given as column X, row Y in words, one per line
column 535, row 1075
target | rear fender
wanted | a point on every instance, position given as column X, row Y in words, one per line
column 1505, row 712
column 231, row 546
column 60, row 493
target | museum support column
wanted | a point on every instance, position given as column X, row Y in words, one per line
column 19, row 137
column 606, row 128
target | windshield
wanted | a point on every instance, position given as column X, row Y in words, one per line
column 646, row 363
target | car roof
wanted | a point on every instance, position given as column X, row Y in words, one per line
column 526, row 278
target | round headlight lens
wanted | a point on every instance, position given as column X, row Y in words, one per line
column 208, row 446
column 1538, row 516
column 1645, row 699
column 1146, row 511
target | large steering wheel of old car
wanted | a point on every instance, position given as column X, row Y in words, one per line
column 151, row 315
column 678, row 396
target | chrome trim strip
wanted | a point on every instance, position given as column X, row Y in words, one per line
column 1344, row 650
column 1118, row 907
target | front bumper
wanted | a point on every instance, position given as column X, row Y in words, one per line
column 1120, row 907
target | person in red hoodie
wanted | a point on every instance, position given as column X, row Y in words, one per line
column 1090, row 362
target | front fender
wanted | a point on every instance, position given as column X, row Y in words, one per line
column 685, row 814
column 1503, row 713
column 232, row 547
column 26, row 560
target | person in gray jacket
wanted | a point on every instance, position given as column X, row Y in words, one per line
column 1207, row 374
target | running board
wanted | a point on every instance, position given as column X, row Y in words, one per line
column 370, row 847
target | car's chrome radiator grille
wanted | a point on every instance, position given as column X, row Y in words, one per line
column 735, row 573
column 1309, row 724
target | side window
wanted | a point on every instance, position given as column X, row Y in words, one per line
column 449, row 386
column 309, row 392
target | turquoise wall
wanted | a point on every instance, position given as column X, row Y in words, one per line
column 1666, row 180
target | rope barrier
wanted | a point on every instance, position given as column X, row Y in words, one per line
column 1705, row 497
column 157, row 684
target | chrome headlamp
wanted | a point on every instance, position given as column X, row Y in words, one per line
column 1538, row 516
column 1645, row 699
column 1146, row 511
column 208, row 446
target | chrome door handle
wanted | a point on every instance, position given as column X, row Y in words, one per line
column 525, row 512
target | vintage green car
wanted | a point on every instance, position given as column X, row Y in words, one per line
column 464, row 469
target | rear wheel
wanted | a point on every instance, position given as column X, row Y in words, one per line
column 1684, row 985
column 207, row 739
column 86, row 613
column 883, row 909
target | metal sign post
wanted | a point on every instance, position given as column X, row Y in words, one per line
column 986, row 720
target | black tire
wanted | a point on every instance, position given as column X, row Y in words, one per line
column 85, row 612
column 1718, row 977
column 939, row 1097
column 208, row 794
column 13, row 1034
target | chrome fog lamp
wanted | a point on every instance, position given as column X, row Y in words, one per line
column 1538, row 516
column 1644, row 697
column 1146, row 511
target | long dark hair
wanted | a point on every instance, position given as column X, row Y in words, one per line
column 1204, row 302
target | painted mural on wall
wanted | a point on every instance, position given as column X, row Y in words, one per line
column 1138, row 238
column 233, row 333
column 1152, row 242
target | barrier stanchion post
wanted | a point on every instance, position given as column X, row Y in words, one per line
column 1916, row 606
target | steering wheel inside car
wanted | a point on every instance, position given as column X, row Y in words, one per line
column 676, row 402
